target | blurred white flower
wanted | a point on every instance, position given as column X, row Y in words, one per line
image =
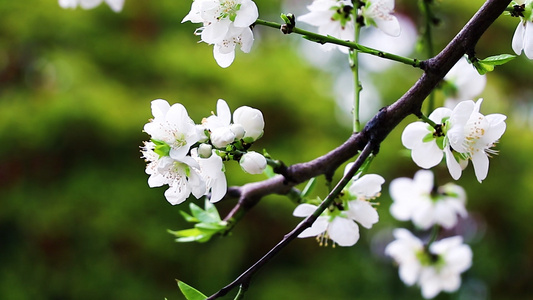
column 417, row 200
column 435, row 269
column 523, row 35
column 253, row 162
column 116, row 5
column 471, row 136
column 333, row 18
column 425, row 142
column 462, row 82
column 226, row 23
column 172, row 126
column 378, row 13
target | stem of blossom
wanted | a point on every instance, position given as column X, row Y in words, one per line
column 427, row 120
column 246, row 276
column 429, row 20
column 434, row 235
column 322, row 39
column 354, row 65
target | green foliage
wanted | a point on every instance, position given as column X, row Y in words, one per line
column 189, row 292
column 208, row 224
column 486, row 65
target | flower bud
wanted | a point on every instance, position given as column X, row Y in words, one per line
column 253, row 163
column 205, row 150
column 251, row 120
column 221, row 137
column 238, row 130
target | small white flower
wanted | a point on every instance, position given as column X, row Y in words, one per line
column 435, row 269
column 523, row 36
column 116, row 5
column 219, row 125
column 253, row 162
column 173, row 126
column 251, row 120
column 417, row 200
column 471, row 136
column 462, row 82
column 427, row 143
column 212, row 173
column 332, row 17
column 379, row 13
column 226, row 23
column 339, row 222
column 181, row 175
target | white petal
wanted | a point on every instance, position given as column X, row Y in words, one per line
column 518, row 38
column 304, row 210
column 362, row 212
column 413, row 134
column 247, row 14
column 88, row 4
column 343, row 232
column 480, row 161
column 160, row 108
column 427, row 155
column 223, row 112
column 453, row 166
column 528, row 40
column 224, row 60
column 318, row 227
column 368, row 186
column 116, row 5
column 389, row 25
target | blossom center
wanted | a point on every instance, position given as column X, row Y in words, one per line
column 229, row 9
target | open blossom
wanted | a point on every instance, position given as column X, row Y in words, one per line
column 462, row 82
column 523, row 36
column 181, row 175
column 211, row 170
column 172, row 126
column 378, row 13
column 332, row 17
column 226, row 24
column 339, row 222
column 435, row 269
column 417, row 200
column 425, row 142
column 471, row 136
column 116, row 5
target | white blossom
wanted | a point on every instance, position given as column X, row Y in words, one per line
column 425, row 142
column 181, row 175
column 462, row 82
column 339, row 222
column 219, row 125
column 523, row 35
column 226, row 23
column 253, row 162
column 471, row 136
column 172, row 126
column 211, row 170
column 378, row 13
column 333, row 18
column 435, row 269
column 417, row 200
column 116, row 5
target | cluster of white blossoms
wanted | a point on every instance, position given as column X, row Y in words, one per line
column 336, row 18
column 116, row 5
column 188, row 157
column 461, row 134
column 226, row 24
column 338, row 222
column 435, row 268
column 523, row 36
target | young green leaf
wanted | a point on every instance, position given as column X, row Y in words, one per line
column 189, row 292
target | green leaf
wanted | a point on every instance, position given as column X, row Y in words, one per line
column 201, row 214
column 188, row 217
column 189, row 292
column 212, row 211
column 161, row 148
column 309, row 187
column 498, row 60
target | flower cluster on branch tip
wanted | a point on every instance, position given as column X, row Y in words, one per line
column 461, row 134
column 339, row 222
column 225, row 24
column 189, row 157
column 336, row 18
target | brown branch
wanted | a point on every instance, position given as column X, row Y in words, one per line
column 383, row 123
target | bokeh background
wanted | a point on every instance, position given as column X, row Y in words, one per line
column 78, row 220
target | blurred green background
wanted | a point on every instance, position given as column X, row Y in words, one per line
column 78, row 220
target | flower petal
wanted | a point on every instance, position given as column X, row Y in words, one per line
column 343, row 232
